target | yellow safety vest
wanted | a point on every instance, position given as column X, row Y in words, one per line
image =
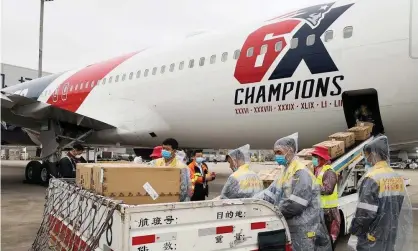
column 327, row 201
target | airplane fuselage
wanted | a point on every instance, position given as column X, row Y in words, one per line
column 256, row 84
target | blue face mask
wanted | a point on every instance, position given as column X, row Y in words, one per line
column 166, row 154
column 367, row 164
column 281, row 160
column 315, row 161
column 199, row 159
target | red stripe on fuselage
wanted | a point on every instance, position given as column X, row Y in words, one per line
column 67, row 97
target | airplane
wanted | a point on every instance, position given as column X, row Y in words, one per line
column 316, row 70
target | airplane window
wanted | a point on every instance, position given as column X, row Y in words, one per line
column 71, row 89
column 328, row 35
column 236, row 54
column 76, row 87
column 92, row 84
column 123, row 77
column 81, row 86
column 191, row 63
column 294, row 43
column 163, row 69
column 154, row 70
column 110, row 79
column 181, row 65
column 348, row 32
column 172, row 67
column 116, row 78
column 104, row 81
column 138, row 74
column 250, row 52
column 146, row 73
column 202, row 61
column 263, row 49
column 212, row 59
column 87, row 85
column 131, row 75
column 224, row 56
column 278, row 46
column 310, row 40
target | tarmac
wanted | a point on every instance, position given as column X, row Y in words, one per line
column 22, row 204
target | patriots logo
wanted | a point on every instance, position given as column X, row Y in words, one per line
column 300, row 24
column 313, row 15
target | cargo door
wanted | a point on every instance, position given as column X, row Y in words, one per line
column 414, row 30
column 362, row 105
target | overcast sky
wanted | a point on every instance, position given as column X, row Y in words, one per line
column 79, row 32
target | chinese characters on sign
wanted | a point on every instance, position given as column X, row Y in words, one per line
column 143, row 248
column 156, row 221
column 230, row 215
column 219, row 238
column 169, row 246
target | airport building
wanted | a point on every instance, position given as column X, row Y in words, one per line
column 13, row 74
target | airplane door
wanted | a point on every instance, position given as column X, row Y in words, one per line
column 413, row 49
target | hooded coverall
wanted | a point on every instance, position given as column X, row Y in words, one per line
column 300, row 206
column 296, row 194
column 243, row 183
column 380, row 201
column 185, row 180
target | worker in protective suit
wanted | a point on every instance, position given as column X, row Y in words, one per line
column 296, row 194
column 327, row 179
column 243, row 183
column 383, row 218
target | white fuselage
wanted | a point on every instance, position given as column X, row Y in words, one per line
column 201, row 106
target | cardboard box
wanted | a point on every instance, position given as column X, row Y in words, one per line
column 306, row 153
column 349, row 138
column 335, row 147
column 269, row 175
column 84, row 175
column 113, row 162
column 308, row 164
column 361, row 132
column 137, row 183
column 368, row 124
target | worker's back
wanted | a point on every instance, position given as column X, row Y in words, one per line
column 243, row 183
column 66, row 167
column 389, row 187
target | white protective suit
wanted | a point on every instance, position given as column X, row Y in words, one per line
column 298, row 198
column 181, row 155
column 383, row 218
column 243, row 183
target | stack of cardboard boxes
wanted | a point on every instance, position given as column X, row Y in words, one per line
column 339, row 142
column 269, row 175
column 132, row 183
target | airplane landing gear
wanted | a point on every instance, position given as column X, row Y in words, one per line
column 53, row 141
column 32, row 171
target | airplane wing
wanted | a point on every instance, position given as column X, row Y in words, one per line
column 21, row 107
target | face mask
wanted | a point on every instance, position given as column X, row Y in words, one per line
column 233, row 167
column 315, row 161
column 281, row 160
column 166, row 154
column 199, row 159
column 367, row 164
